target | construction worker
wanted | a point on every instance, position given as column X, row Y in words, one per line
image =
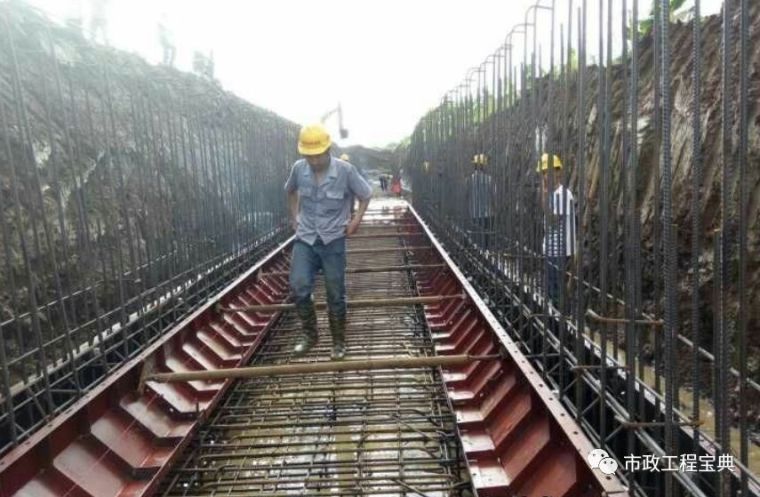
column 346, row 158
column 319, row 190
column 203, row 65
column 480, row 192
column 164, row 39
column 396, row 183
column 210, row 66
column 559, row 224
column 99, row 21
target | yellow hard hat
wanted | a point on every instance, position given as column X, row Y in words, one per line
column 313, row 140
column 344, row 157
column 543, row 164
column 480, row 159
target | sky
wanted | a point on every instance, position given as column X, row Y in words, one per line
column 386, row 63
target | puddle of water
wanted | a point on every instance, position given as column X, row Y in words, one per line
column 686, row 404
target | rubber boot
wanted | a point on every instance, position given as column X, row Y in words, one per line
column 338, row 332
column 308, row 339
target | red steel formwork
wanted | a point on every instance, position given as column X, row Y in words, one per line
column 117, row 441
column 517, row 438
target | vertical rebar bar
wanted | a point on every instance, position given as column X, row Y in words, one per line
column 696, row 219
column 669, row 275
column 743, row 218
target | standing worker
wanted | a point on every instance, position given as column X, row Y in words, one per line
column 319, row 190
column 396, row 183
column 480, row 192
column 164, row 39
column 559, row 225
column 99, row 21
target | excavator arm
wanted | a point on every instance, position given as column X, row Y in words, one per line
column 339, row 111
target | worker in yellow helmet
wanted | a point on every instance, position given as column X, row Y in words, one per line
column 319, row 189
column 559, row 224
column 481, row 192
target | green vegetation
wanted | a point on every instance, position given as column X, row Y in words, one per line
column 645, row 26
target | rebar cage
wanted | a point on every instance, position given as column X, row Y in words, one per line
column 656, row 147
column 130, row 194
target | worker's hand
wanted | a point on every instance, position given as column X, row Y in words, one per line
column 352, row 227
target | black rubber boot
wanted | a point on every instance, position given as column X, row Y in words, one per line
column 338, row 332
column 309, row 322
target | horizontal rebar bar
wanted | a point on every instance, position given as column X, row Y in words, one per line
column 377, row 269
column 321, row 367
column 609, row 320
column 389, row 249
column 387, row 302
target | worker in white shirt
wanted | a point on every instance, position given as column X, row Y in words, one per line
column 560, row 225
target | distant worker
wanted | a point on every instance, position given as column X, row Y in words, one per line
column 396, row 184
column 203, row 65
column 480, row 192
column 559, row 224
column 210, row 65
column 319, row 189
column 383, row 183
column 164, row 39
column 98, row 21
column 346, row 158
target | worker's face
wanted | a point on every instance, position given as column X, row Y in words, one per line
column 556, row 179
column 318, row 162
